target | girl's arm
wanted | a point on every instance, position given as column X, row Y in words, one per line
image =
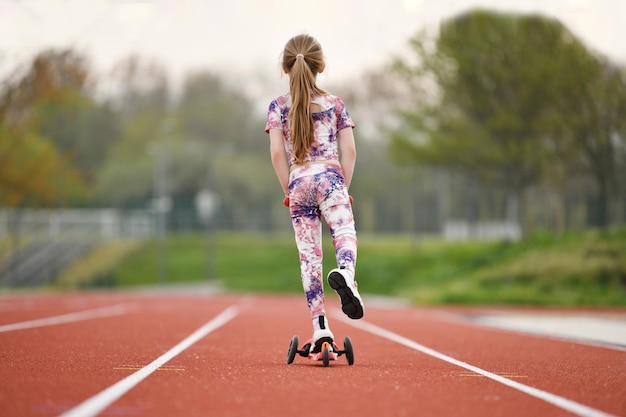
column 347, row 149
column 279, row 159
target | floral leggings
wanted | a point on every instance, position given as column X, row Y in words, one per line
column 316, row 191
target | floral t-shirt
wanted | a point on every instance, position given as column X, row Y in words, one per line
column 327, row 122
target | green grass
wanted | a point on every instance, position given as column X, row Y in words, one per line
column 95, row 267
column 576, row 269
column 573, row 269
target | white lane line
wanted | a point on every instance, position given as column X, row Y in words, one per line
column 564, row 403
column 102, row 400
column 96, row 313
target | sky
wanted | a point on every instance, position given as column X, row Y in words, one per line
column 246, row 37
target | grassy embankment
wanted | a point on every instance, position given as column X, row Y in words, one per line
column 574, row 269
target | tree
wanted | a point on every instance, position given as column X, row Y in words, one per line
column 33, row 172
column 493, row 82
column 52, row 76
column 209, row 137
column 37, row 169
column 140, row 104
column 222, row 120
column 594, row 121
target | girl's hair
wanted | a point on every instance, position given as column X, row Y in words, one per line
column 303, row 60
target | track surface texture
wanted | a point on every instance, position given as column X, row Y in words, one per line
column 205, row 354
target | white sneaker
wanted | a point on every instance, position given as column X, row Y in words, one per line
column 342, row 281
column 321, row 334
column 319, row 337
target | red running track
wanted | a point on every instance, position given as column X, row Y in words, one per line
column 131, row 354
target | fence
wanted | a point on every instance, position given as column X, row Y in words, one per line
column 40, row 243
column 463, row 230
column 83, row 223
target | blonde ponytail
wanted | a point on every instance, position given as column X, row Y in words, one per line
column 303, row 60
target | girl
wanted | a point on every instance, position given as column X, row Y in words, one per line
column 308, row 130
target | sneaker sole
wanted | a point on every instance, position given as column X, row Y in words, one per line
column 350, row 305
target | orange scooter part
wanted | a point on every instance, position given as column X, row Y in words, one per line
column 326, row 354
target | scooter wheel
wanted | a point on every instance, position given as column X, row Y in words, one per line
column 347, row 346
column 325, row 355
column 293, row 349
